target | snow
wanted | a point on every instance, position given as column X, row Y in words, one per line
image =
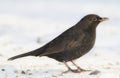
column 27, row 25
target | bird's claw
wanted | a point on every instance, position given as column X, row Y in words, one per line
column 76, row 71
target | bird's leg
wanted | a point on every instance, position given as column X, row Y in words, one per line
column 69, row 69
column 79, row 69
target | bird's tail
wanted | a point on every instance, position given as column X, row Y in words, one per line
column 32, row 53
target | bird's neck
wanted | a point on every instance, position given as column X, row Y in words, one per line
column 91, row 31
column 86, row 27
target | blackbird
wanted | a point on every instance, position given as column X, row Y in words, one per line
column 71, row 44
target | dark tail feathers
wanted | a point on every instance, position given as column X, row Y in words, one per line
column 19, row 56
column 32, row 53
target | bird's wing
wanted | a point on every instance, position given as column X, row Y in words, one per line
column 67, row 40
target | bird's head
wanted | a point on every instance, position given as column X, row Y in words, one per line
column 91, row 21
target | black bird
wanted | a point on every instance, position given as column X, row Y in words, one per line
column 71, row 44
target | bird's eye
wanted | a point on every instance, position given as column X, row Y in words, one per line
column 94, row 19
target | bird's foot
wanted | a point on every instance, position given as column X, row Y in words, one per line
column 75, row 71
column 78, row 70
column 82, row 70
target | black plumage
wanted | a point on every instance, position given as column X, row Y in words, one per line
column 71, row 44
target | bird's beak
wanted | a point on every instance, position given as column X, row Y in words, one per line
column 103, row 19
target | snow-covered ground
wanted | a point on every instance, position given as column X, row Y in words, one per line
column 26, row 25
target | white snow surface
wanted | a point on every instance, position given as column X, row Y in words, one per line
column 26, row 25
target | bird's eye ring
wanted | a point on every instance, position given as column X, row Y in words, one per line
column 94, row 19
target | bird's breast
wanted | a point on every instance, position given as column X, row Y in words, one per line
column 88, row 42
